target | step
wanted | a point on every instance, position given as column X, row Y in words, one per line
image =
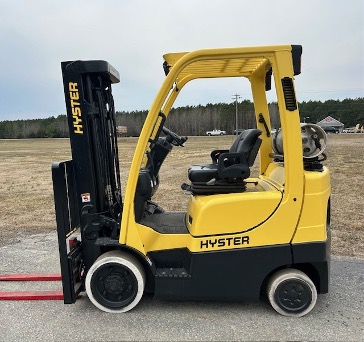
column 171, row 272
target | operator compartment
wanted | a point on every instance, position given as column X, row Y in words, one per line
column 218, row 213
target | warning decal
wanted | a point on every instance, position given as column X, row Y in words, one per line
column 86, row 197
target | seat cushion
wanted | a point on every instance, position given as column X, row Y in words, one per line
column 202, row 173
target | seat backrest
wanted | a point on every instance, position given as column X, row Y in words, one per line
column 248, row 144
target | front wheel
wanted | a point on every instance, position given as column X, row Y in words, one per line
column 115, row 282
column 291, row 293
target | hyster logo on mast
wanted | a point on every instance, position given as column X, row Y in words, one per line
column 76, row 109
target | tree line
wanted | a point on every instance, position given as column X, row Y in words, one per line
column 195, row 120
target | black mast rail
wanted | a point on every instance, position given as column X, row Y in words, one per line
column 87, row 189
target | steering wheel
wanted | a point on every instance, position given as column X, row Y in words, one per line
column 174, row 138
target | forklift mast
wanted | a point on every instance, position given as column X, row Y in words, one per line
column 87, row 189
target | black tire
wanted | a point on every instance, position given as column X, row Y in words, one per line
column 291, row 293
column 115, row 282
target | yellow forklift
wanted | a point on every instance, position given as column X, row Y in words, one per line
column 238, row 237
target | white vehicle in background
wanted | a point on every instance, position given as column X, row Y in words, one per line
column 216, row 132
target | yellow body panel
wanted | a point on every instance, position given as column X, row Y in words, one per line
column 275, row 173
column 275, row 229
column 154, row 241
column 272, row 230
column 313, row 221
column 232, row 213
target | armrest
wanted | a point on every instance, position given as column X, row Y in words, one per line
column 215, row 155
column 233, row 165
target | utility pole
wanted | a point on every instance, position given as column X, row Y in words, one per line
column 236, row 97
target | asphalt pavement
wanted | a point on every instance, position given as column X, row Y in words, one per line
column 337, row 316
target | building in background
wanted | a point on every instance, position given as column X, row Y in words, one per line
column 121, row 130
column 331, row 125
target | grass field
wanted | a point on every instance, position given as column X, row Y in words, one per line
column 26, row 193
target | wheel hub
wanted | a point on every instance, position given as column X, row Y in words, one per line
column 293, row 295
column 114, row 286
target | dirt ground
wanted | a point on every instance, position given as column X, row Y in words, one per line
column 26, row 193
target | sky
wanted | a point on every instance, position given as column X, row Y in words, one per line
column 132, row 35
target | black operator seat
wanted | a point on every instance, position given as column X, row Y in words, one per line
column 229, row 168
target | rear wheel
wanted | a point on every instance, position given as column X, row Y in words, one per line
column 115, row 282
column 291, row 292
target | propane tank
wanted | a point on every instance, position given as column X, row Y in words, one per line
column 313, row 141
